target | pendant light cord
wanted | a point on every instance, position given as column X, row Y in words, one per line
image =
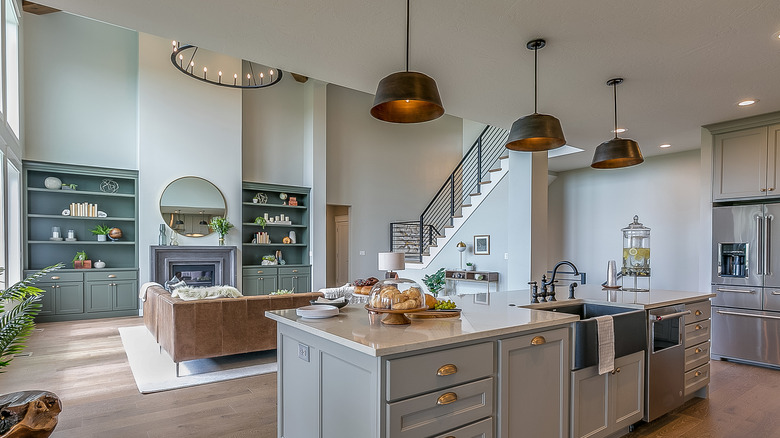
column 536, row 69
column 407, row 35
column 614, row 95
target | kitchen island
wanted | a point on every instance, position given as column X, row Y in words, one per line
column 498, row 370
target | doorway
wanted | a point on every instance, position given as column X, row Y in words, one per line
column 338, row 255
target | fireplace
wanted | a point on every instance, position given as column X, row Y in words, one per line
column 196, row 265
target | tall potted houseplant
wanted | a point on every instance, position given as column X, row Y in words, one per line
column 221, row 226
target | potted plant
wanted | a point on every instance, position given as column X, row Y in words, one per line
column 80, row 260
column 16, row 325
column 260, row 220
column 470, row 266
column 435, row 282
column 101, row 231
column 221, row 226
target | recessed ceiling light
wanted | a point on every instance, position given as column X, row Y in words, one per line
column 666, row 145
column 619, row 130
column 747, row 102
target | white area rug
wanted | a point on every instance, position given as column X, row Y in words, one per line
column 155, row 371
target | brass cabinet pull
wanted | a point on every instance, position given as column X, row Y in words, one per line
column 446, row 370
column 112, row 276
column 762, row 189
column 447, row 398
column 616, row 370
column 295, row 270
column 697, row 313
column 538, row 340
column 259, row 272
column 698, row 327
column 55, row 277
column 697, row 374
column 771, row 189
column 697, row 350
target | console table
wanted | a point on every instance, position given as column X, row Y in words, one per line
column 484, row 277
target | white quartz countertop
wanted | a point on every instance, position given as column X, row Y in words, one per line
column 356, row 329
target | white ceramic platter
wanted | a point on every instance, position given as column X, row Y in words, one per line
column 317, row 311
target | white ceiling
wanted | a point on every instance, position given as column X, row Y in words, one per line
column 685, row 63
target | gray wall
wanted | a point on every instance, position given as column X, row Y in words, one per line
column 384, row 171
column 81, row 86
column 588, row 208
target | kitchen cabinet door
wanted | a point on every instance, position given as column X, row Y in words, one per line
column 297, row 282
column 47, row 298
column 627, row 386
column 740, row 165
column 533, row 385
column 589, row 403
column 69, row 298
column 125, row 295
column 98, row 296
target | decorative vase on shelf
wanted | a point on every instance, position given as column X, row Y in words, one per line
column 293, row 237
column 100, row 264
column 174, row 240
column 162, row 240
column 221, row 241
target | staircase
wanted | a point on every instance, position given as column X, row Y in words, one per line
column 480, row 170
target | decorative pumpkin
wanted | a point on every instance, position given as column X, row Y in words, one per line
column 115, row 234
column 286, row 240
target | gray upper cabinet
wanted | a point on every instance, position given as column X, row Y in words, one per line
column 746, row 163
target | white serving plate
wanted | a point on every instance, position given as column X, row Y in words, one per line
column 317, row 311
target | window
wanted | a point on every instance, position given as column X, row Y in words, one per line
column 14, row 228
column 12, row 66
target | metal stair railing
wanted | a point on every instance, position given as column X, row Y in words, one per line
column 414, row 238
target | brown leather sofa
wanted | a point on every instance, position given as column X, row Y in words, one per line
column 215, row 327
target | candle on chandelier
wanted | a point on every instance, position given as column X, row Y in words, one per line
column 181, row 61
column 204, row 72
column 192, row 67
column 235, row 77
column 261, row 78
column 248, row 79
column 220, row 76
column 174, row 45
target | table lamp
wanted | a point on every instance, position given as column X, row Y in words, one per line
column 391, row 261
column 461, row 246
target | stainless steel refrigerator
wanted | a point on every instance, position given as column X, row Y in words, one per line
column 746, row 281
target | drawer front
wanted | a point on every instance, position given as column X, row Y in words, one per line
column 480, row 429
column 697, row 333
column 697, row 378
column 430, row 371
column 105, row 275
column 744, row 297
column 56, row 277
column 772, row 299
column 291, row 271
column 699, row 311
column 697, row 355
column 439, row 411
column 261, row 270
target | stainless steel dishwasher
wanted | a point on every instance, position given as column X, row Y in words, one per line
column 665, row 360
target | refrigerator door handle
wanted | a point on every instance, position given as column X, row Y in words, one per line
column 760, row 241
column 768, row 244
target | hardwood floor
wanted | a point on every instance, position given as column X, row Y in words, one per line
column 84, row 363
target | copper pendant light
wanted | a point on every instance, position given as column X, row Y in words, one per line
column 535, row 132
column 617, row 152
column 407, row 96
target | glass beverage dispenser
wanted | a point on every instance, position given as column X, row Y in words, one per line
column 636, row 257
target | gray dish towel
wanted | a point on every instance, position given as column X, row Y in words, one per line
column 606, row 341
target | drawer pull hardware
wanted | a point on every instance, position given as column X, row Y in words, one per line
column 697, row 374
column 259, row 272
column 736, row 291
column 55, row 277
column 774, row 292
column 447, row 398
column 616, row 370
column 295, row 270
column 697, row 313
column 698, row 327
column 538, row 340
column 697, row 350
column 447, row 370
column 762, row 189
column 112, row 276
column 750, row 315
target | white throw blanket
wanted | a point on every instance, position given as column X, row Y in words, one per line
column 144, row 287
column 606, row 339
column 188, row 293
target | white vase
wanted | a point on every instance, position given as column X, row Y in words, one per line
column 100, row 264
column 53, row 183
column 101, row 237
column 293, row 237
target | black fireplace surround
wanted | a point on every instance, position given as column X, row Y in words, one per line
column 216, row 262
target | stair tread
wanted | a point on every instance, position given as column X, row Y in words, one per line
column 497, row 169
column 485, row 182
column 503, row 157
column 475, row 194
column 465, row 205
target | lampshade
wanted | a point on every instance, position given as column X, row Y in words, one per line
column 535, row 132
column 617, row 152
column 461, row 246
column 407, row 96
column 391, row 261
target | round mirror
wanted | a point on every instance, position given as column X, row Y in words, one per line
column 188, row 204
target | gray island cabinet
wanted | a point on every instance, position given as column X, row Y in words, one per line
column 498, row 370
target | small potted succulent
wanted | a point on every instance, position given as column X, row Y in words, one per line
column 101, row 231
column 470, row 266
column 221, row 226
column 80, row 260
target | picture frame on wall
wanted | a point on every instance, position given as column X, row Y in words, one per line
column 482, row 245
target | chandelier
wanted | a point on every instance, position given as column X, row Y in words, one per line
column 185, row 58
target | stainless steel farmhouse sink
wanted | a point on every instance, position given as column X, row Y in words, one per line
column 629, row 323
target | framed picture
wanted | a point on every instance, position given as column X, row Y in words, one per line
column 482, row 245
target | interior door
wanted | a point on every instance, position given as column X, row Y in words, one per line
column 342, row 250
column 733, row 226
